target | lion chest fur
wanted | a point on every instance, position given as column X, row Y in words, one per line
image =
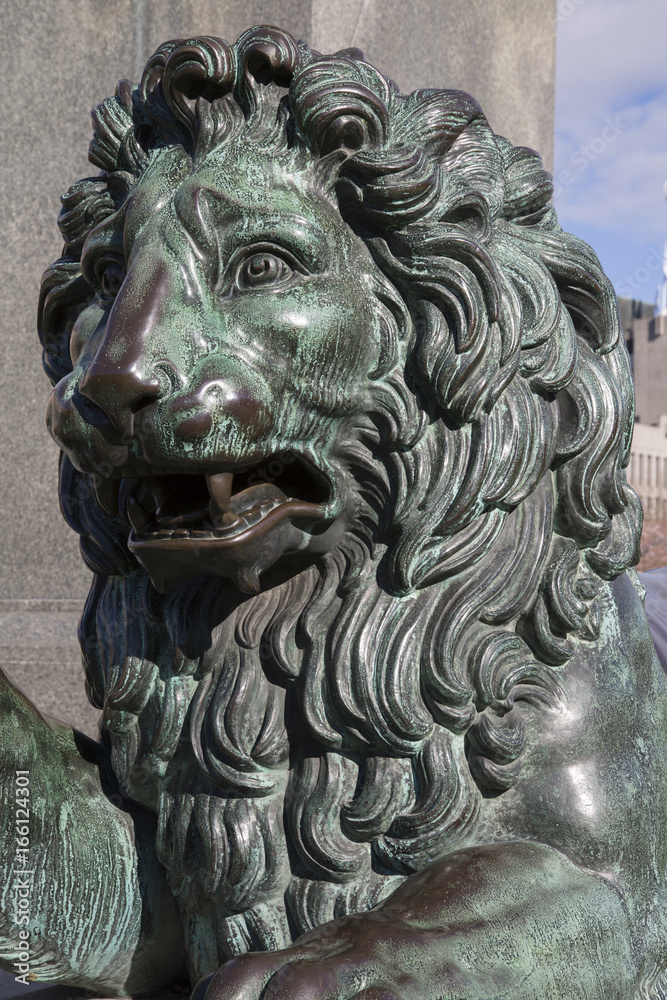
column 277, row 813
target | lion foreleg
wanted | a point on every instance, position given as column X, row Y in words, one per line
column 83, row 900
column 515, row 920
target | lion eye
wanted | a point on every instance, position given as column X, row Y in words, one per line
column 112, row 276
column 262, row 269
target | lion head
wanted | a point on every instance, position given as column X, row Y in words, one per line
column 344, row 418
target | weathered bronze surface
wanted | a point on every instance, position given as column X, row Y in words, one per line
column 344, row 418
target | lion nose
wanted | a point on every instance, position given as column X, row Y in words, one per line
column 121, row 379
column 119, row 391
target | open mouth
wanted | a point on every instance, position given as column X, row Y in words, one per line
column 230, row 523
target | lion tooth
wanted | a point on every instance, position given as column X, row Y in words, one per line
column 137, row 516
column 252, row 516
column 106, row 491
column 220, row 489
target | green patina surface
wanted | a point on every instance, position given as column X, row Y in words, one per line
column 344, row 417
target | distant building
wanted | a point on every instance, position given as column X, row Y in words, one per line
column 645, row 330
column 647, row 472
column 646, row 340
column 661, row 297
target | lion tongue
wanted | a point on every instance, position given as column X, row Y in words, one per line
column 253, row 495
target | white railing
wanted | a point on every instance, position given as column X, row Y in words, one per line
column 647, row 471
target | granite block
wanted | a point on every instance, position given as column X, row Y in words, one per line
column 40, row 653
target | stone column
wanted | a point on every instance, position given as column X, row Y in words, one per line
column 503, row 53
column 61, row 57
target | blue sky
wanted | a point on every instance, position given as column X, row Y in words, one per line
column 611, row 135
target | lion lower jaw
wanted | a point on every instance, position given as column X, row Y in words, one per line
column 241, row 550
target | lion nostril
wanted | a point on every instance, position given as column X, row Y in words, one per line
column 120, row 395
column 144, row 400
column 96, row 417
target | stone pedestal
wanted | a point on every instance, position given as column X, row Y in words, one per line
column 40, row 652
column 60, row 58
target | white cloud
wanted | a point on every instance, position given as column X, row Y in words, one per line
column 611, row 130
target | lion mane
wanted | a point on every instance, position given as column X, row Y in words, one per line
column 308, row 747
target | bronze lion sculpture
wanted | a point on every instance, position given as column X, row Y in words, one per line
column 344, row 417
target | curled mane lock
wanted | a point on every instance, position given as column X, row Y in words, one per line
column 355, row 714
